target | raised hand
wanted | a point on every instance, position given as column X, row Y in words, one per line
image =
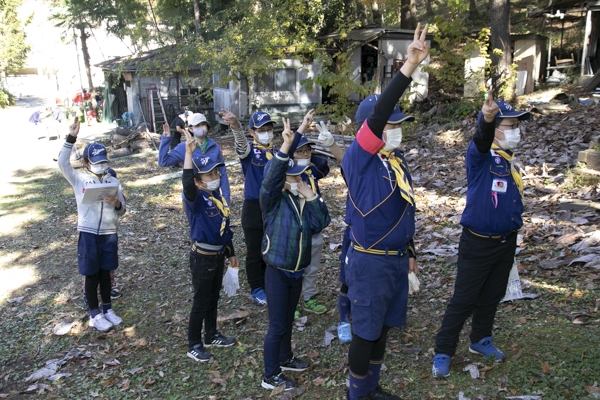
column 418, row 50
column 489, row 108
column 325, row 137
column 190, row 143
column 166, row 130
column 229, row 118
column 308, row 118
column 74, row 127
column 287, row 134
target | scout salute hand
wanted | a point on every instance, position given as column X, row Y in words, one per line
column 166, row 130
column 489, row 108
column 287, row 135
column 418, row 50
column 229, row 118
column 190, row 143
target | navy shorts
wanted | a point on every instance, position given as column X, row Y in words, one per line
column 95, row 252
column 378, row 291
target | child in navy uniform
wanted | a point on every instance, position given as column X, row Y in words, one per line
column 490, row 221
column 208, row 216
column 292, row 213
column 97, row 247
column 380, row 212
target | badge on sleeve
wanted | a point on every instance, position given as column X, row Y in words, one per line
column 499, row 186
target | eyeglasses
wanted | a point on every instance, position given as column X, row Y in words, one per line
column 306, row 151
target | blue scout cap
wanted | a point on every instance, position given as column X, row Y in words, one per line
column 95, row 153
column 205, row 164
column 295, row 169
column 366, row 108
column 303, row 142
column 260, row 118
column 508, row 111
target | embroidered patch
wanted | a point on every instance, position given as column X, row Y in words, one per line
column 499, row 186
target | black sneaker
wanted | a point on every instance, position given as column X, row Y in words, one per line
column 115, row 294
column 278, row 380
column 219, row 341
column 295, row 364
column 84, row 303
column 199, row 353
column 380, row 394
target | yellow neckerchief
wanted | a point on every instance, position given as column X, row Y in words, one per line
column 223, row 209
column 311, row 180
column 405, row 190
column 516, row 174
column 267, row 149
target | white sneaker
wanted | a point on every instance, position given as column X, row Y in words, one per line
column 100, row 323
column 112, row 317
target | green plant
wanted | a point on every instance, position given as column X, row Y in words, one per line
column 6, row 98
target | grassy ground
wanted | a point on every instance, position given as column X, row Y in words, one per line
column 145, row 357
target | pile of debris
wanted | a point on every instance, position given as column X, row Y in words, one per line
column 139, row 139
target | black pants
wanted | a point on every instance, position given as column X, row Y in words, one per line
column 207, row 278
column 175, row 138
column 252, row 224
column 91, row 282
column 483, row 269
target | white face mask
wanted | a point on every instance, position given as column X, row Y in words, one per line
column 265, row 137
column 99, row 169
column 213, row 185
column 394, row 138
column 302, row 161
column 199, row 131
column 512, row 137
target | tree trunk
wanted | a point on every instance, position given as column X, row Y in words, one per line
column 377, row 15
column 408, row 19
column 429, row 8
column 473, row 13
column 86, row 57
column 197, row 17
column 500, row 40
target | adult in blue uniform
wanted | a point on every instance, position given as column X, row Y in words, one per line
column 490, row 221
column 205, row 147
column 380, row 213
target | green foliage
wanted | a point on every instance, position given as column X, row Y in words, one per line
column 337, row 77
column 452, row 47
column 6, row 98
column 13, row 45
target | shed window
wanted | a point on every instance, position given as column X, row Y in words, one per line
column 281, row 80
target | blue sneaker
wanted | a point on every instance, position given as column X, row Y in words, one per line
column 344, row 332
column 259, row 296
column 486, row 349
column 441, row 366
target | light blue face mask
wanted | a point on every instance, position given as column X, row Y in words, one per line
column 99, row 168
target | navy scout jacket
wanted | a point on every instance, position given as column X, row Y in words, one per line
column 494, row 204
column 289, row 221
column 203, row 215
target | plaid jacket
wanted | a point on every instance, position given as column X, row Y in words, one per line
column 289, row 224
